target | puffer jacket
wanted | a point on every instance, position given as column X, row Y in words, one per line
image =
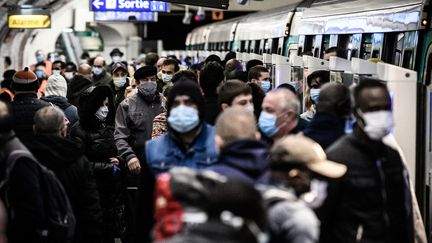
column 70, row 111
column 24, row 107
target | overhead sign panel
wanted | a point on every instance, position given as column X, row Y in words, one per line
column 129, row 5
column 126, row 16
column 222, row 4
column 29, row 19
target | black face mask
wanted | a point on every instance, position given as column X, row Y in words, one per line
column 148, row 91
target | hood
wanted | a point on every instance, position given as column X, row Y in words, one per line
column 59, row 101
column 53, row 151
column 249, row 156
column 77, row 85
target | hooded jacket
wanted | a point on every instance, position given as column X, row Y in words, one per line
column 243, row 159
column 70, row 111
column 76, row 87
column 73, row 169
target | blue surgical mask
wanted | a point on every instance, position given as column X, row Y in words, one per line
column 40, row 73
column 183, row 119
column 97, row 71
column 119, row 82
column 314, row 94
column 39, row 58
column 265, row 85
column 116, row 59
column 267, row 124
column 166, row 77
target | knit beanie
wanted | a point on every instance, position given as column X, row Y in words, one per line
column 56, row 85
column 25, row 80
column 191, row 89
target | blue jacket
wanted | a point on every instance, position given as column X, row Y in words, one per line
column 325, row 129
column 164, row 153
column 244, row 160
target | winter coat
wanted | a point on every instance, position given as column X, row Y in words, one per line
column 24, row 107
column 373, row 201
column 68, row 162
column 76, row 87
column 70, row 111
column 325, row 129
column 244, row 160
column 102, row 79
column 25, row 201
column 166, row 152
column 133, row 125
column 119, row 94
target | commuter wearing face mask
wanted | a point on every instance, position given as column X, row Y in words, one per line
column 169, row 68
column 189, row 141
column 42, row 78
column 58, row 67
column 279, row 116
column 120, row 82
column 116, row 56
column 70, row 71
column 99, row 75
column 95, row 131
column 314, row 81
column 374, row 201
column 255, row 75
column 40, row 60
column 235, row 93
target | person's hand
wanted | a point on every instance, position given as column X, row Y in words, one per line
column 134, row 166
column 114, row 161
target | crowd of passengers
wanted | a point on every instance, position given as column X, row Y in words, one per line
column 161, row 150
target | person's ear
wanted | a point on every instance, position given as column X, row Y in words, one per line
column 219, row 142
column 63, row 132
column 224, row 106
column 257, row 136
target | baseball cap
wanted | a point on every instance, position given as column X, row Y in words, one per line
column 298, row 149
column 119, row 66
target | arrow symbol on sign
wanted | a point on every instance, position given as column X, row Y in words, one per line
column 97, row 3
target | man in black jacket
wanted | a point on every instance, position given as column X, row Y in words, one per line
column 66, row 159
column 25, row 201
column 373, row 201
column 25, row 103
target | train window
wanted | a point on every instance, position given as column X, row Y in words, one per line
column 399, row 49
column 316, row 52
column 375, row 53
column 242, row 46
column 343, row 41
column 325, row 45
column 407, row 59
column 300, row 51
column 308, row 43
column 366, row 46
column 261, row 47
column 275, row 45
column 257, row 46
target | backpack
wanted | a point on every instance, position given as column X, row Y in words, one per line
column 60, row 224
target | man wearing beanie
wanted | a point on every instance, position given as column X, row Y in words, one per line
column 133, row 127
column 25, row 104
column 55, row 93
column 190, row 142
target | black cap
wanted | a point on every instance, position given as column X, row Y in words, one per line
column 144, row 72
column 118, row 66
column 116, row 51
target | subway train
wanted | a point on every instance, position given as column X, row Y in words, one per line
column 397, row 32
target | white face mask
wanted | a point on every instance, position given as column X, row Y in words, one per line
column 102, row 113
column 69, row 75
column 119, row 82
column 166, row 77
column 378, row 124
column 56, row 72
